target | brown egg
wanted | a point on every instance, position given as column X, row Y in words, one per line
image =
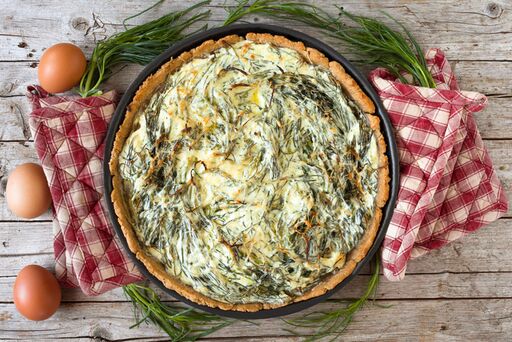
column 61, row 67
column 36, row 292
column 27, row 191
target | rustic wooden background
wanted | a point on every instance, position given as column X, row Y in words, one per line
column 462, row 291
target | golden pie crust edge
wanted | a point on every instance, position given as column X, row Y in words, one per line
column 152, row 84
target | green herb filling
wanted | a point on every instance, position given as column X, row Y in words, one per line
column 250, row 174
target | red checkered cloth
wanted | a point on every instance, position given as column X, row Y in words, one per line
column 448, row 186
column 69, row 133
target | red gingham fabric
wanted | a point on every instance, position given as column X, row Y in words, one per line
column 69, row 133
column 448, row 186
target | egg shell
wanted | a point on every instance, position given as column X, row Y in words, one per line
column 37, row 293
column 61, row 67
column 27, row 191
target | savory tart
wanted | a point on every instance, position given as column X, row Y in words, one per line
column 250, row 173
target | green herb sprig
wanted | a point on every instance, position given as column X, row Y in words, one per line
column 181, row 324
column 139, row 45
column 333, row 323
column 371, row 40
column 187, row 324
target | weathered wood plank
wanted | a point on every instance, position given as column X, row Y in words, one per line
column 12, row 264
column 16, row 76
column 469, row 46
column 494, row 121
column 414, row 286
column 25, row 238
column 483, row 251
column 411, row 319
column 14, row 112
column 482, row 76
column 15, row 153
column 487, row 250
column 478, row 76
column 477, row 266
column 485, row 27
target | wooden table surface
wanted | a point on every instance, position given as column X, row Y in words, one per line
column 462, row 291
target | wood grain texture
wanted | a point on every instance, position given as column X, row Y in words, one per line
column 459, row 292
column 487, row 250
column 487, row 77
column 492, row 121
column 404, row 319
column 13, row 153
column 467, row 30
column 414, row 286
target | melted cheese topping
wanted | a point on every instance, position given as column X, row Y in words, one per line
column 251, row 174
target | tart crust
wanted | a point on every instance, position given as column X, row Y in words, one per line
column 152, row 85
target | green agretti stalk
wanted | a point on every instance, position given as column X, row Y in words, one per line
column 374, row 42
column 181, row 324
column 139, row 45
column 186, row 324
column 334, row 322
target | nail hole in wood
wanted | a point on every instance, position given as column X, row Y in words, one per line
column 80, row 24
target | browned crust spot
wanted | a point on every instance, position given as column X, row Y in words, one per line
column 151, row 85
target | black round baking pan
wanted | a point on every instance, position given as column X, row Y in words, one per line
column 217, row 33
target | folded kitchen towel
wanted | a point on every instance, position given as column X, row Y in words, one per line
column 448, row 186
column 69, row 132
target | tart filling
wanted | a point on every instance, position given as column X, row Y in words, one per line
column 250, row 173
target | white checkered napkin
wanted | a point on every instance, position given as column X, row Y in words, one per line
column 69, row 133
column 448, row 186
